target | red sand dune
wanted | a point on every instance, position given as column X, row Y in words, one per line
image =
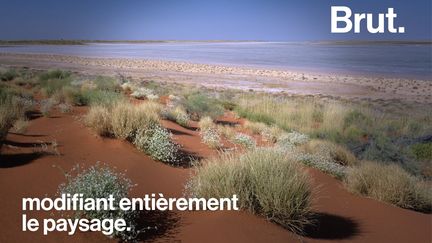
column 343, row 217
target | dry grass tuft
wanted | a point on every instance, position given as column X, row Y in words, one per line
column 266, row 182
column 391, row 184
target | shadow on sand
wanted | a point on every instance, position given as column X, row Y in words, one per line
column 187, row 159
column 332, row 227
column 157, row 224
column 15, row 160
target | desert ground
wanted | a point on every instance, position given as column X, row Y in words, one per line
column 63, row 127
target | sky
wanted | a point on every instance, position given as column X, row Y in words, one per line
column 270, row 20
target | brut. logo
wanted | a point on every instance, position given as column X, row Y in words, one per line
column 342, row 15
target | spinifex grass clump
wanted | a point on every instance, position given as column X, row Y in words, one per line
column 138, row 124
column 12, row 108
column 391, row 184
column 101, row 181
column 266, row 181
column 177, row 114
column 370, row 132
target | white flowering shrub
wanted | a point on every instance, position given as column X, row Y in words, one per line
column 288, row 140
column 211, row 137
column 244, row 141
column 65, row 108
column 128, row 86
column 323, row 164
column 173, row 101
column 100, row 181
column 46, row 106
column 157, row 142
column 152, row 97
column 142, row 93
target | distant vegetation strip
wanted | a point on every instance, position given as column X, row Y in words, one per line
column 83, row 42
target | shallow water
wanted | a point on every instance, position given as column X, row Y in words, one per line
column 391, row 60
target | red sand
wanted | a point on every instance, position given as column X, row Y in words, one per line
column 344, row 217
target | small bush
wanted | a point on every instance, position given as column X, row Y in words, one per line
column 46, row 107
column 107, row 84
column 206, row 123
column 12, row 108
column 330, row 151
column 144, row 93
column 157, row 142
column 65, row 108
column 100, row 182
column 209, row 132
column 244, row 141
column 324, row 164
column 272, row 133
column 99, row 119
column 177, row 114
column 391, row 184
column 54, row 74
column 127, row 119
column 255, row 127
column 97, row 97
column 200, row 105
column 8, row 75
column 289, row 140
column 226, row 131
column 123, row 120
column 266, row 182
column 422, row 151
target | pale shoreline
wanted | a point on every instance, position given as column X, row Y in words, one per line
column 229, row 77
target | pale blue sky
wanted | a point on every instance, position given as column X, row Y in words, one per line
column 280, row 20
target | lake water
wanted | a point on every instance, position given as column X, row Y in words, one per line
column 394, row 60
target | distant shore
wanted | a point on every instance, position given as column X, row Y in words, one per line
column 245, row 78
column 329, row 42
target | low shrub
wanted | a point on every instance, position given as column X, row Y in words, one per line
column 104, row 83
column 330, row 151
column 199, row 105
column 46, row 107
column 209, row 132
column 144, row 93
column 99, row 119
column 289, row 140
column 391, row 184
column 176, row 114
column 157, row 142
column 272, row 133
column 65, row 107
column 54, row 74
column 8, row 75
column 97, row 97
column 422, row 151
column 318, row 161
column 227, row 131
column 244, row 140
column 12, row 108
column 266, row 182
column 206, row 123
column 100, row 181
column 255, row 127
column 122, row 119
